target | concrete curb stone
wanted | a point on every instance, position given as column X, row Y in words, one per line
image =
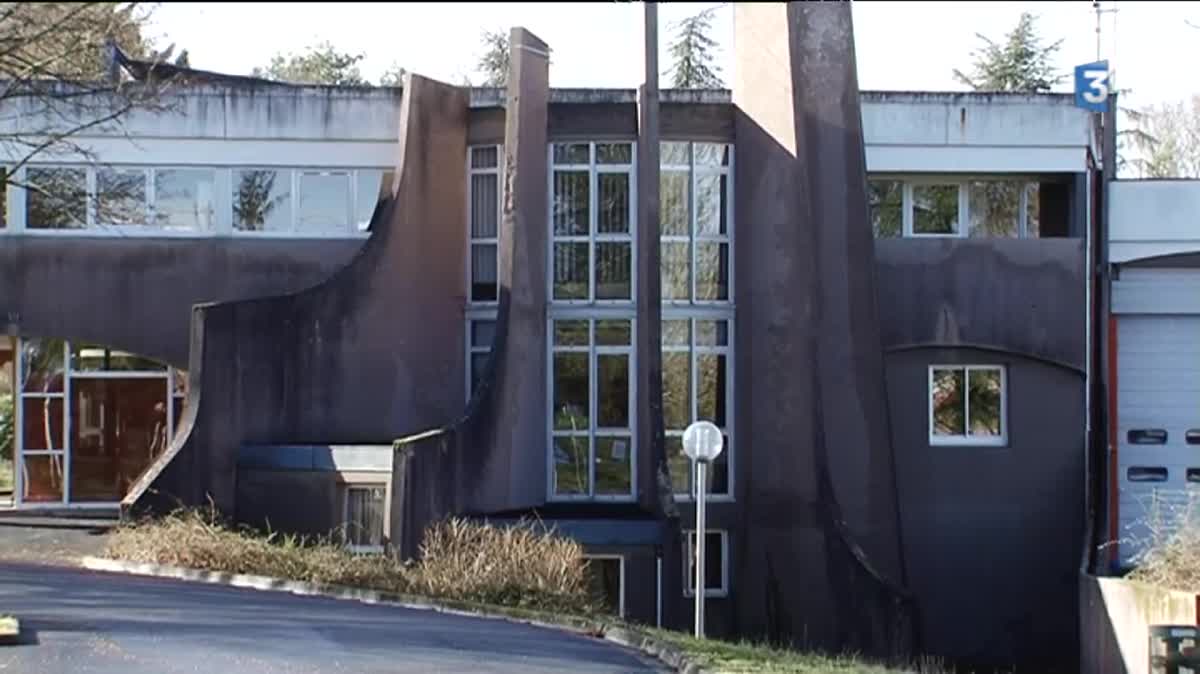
column 619, row 634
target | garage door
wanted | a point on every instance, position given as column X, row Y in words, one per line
column 1158, row 422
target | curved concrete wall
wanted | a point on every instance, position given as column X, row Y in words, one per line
column 137, row 293
column 373, row 353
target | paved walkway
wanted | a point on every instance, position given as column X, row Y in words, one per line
column 84, row 622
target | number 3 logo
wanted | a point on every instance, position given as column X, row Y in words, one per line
column 1091, row 86
column 1097, row 86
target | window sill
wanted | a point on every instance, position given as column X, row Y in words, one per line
column 967, row 441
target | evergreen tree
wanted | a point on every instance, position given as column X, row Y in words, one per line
column 1020, row 63
column 321, row 64
column 692, row 54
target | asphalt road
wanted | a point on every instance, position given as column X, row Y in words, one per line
column 78, row 622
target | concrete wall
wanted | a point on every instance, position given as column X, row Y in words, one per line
column 1115, row 616
column 137, row 294
column 371, row 354
column 1151, row 218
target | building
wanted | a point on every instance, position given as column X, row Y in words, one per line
column 273, row 283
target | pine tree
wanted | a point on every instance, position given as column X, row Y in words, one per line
column 691, row 54
column 1020, row 63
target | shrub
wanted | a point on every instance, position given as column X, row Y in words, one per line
column 1169, row 536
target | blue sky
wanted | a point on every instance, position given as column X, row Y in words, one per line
column 900, row 45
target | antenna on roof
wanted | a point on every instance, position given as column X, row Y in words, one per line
column 1100, row 12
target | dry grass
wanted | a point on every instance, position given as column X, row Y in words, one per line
column 524, row 565
column 1169, row 538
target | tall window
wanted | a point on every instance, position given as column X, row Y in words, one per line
column 592, row 415
column 967, row 405
column 480, row 334
column 365, row 512
column 591, row 215
column 483, row 195
column 697, row 348
column 946, row 207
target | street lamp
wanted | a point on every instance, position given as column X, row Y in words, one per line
column 702, row 442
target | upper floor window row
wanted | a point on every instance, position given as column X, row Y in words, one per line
column 1000, row 207
column 194, row 199
column 696, row 213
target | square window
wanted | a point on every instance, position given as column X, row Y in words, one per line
column 571, row 153
column 121, row 196
column 262, row 200
column 366, row 508
column 995, row 208
column 183, row 198
column 486, row 156
column 324, row 202
column 935, row 209
column 56, row 198
column 614, row 153
column 716, row 557
column 967, row 405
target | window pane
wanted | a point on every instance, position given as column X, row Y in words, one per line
column 613, row 333
column 712, row 271
column 571, row 474
column 478, row 363
column 673, row 213
column 614, row 153
column 571, row 392
column 42, row 365
column 711, row 154
column 121, row 196
column 677, row 390
column 571, row 153
column 4, row 172
column 613, row 474
column 717, row 475
column 368, row 185
column 487, row 156
column 679, row 465
column 262, row 201
column 673, row 154
column 94, row 358
column 364, row 515
column 948, row 405
column 324, row 202
column 710, row 205
column 613, row 203
column 1032, row 210
column 676, row 333
column 885, row 201
column 935, row 209
column 42, row 422
column 56, row 198
column 484, row 201
column 570, row 333
column 995, row 208
column 712, row 333
column 614, row 270
column 713, row 558
column 483, row 333
column 43, row 478
column 985, row 402
column 118, row 427
column 676, row 270
column 183, row 198
column 483, row 272
column 604, row 583
column 570, row 203
column 570, row 271
column 612, row 391
column 710, row 388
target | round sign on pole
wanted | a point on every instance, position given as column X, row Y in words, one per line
column 702, row 441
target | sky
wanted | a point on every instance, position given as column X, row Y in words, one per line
column 900, row 45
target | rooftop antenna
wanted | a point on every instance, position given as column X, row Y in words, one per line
column 1100, row 12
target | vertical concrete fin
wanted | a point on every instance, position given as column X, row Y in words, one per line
column 811, row 376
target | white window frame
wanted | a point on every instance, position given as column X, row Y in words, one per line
column 695, row 173
column 472, row 240
column 689, row 555
column 968, row 440
column 695, row 351
column 593, row 237
column 963, row 182
column 221, row 220
column 351, row 485
column 621, row 588
column 593, row 432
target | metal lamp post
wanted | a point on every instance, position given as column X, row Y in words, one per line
column 702, row 442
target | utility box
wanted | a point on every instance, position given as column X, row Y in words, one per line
column 1174, row 649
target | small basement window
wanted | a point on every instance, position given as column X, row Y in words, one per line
column 967, row 405
column 365, row 508
column 606, row 581
column 716, row 564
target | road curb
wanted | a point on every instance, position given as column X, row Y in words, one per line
column 618, row 634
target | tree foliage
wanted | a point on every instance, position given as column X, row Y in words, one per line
column 319, row 64
column 493, row 64
column 393, row 76
column 692, row 60
column 1167, row 138
column 1021, row 62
